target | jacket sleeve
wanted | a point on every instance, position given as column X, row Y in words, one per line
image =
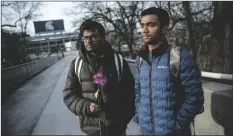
column 72, row 94
column 129, row 95
column 190, row 77
column 137, row 87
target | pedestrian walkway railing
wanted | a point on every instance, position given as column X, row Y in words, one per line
column 17, row 74
column 206, row 74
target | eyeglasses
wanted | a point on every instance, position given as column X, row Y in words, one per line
column 92, row 37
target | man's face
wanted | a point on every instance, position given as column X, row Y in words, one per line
column 150, row 28
column 91, row 39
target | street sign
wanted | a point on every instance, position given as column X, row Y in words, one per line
column 48, row 26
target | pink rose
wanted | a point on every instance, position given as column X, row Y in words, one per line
column 100, row 79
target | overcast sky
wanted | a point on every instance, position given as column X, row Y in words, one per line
column 53, row 11
column 49, row 11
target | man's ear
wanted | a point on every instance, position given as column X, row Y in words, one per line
column 164, row 29
column 103, row 39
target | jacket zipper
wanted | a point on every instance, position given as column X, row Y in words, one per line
column 151, row 104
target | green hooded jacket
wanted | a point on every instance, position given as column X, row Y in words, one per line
column 117, row 109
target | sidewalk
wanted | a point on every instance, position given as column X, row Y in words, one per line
column 56, row 119
column 23, row 108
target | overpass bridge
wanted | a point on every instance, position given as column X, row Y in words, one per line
column 52, row 41
column 37, row 107
column 53, row 37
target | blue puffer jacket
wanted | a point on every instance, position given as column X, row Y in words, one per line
column 165, row 106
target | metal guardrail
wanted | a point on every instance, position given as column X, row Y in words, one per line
column 205, row 74
column 17, row 74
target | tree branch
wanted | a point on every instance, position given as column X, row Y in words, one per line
column 15, row 23
column 8, row 25
column 175, row 21
column 156, row 3
column 5, row 4
column 201, row 11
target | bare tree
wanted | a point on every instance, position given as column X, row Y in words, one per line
column 17, row 15
column 121, row 17
column 20, row 11
column 222, row 28
column 203, row 27
column 189, row 22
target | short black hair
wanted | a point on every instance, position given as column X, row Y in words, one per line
column 89, row 24
column 162, row 14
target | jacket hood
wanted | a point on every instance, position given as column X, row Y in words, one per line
column 106, row 51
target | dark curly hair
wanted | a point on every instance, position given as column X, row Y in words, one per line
column 89, row 25
column 92, row 25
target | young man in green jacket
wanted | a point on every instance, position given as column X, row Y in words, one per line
column 105, row 108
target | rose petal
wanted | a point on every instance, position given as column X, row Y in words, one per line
column 100, row 79
column 101, row 75
column 102, row 83
column 98, row 75
column 95, row 82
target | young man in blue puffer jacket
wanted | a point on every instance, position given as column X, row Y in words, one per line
column 164, row 105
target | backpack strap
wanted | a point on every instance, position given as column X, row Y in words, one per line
column 193, row 128
column 118, row 62
column 78, row 66
column 119, row 65
column 175, row 60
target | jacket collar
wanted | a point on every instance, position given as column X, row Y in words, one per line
column 143, row 52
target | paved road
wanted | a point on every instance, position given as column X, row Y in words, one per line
column 37, row 107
